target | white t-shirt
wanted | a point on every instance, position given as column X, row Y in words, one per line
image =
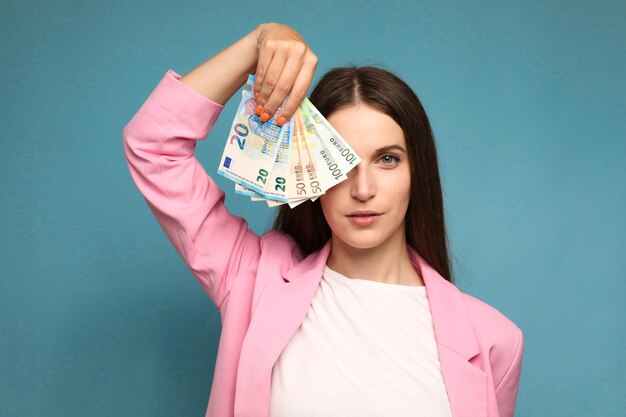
column 364, row 349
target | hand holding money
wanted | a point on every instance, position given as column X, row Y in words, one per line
column 285, row 66
column 280, row 149
column 292, row 163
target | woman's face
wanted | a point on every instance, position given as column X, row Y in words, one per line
column 369, row 208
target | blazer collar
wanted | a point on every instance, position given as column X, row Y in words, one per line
column 447, row 307
column 282, row 306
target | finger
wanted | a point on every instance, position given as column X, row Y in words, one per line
column 284, row 85
column 263, row 63
column 271, row 78
column 298, row 91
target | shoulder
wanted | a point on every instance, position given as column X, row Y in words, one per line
column 276, row 244
column 497, row 335
column 489, row 321
column 281, row 239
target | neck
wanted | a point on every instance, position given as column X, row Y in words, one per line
column 388, row 262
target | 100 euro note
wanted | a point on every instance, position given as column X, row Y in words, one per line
column 329, row 169
column 251, row 149
column 338, row 148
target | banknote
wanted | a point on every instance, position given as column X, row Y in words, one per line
column 338, row 147
column 304, row 169
column 291, row 164
column 252, row 146
column 332, row 172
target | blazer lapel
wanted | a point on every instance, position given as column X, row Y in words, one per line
column 279, row 312
column 283, row 305
column 465, row 383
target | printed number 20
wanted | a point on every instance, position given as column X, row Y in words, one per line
column 262, row 177
column 241, row 131
column 280, row 184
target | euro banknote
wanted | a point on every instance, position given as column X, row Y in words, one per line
column 287, row 164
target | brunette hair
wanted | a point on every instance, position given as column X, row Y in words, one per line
column 379, row 88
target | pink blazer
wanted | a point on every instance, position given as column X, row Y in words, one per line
column 263, row 286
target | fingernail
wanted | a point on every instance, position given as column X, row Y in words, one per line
column 259, row 109
column 256, row 95
column 281, row 121
column 264, row 117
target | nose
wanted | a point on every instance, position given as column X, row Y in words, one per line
column 362, row 185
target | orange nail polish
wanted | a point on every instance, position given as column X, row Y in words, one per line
column 281, row 121
column 259, row 109
column 265, row 117
column 256, row 95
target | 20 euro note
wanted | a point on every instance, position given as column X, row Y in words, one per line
column 279, row 175
column 252, row 146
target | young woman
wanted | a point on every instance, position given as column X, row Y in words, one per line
column 347, row 307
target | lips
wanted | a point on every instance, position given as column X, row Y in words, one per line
column 363, row 213
column 363, row 218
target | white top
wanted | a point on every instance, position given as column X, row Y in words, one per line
column 365, row 348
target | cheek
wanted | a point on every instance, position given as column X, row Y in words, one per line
column 332, row 198
column 327, row 201
column 332, row 202
column 398, row 187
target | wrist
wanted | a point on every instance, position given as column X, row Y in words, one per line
column 252, row 50
column 256, row 33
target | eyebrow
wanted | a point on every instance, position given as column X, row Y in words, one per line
column 391, row 148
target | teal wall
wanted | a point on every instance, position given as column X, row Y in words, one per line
column 100, row 317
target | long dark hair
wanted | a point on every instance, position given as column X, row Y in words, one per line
column 385, row 91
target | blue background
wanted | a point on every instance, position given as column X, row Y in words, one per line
column 100, row 317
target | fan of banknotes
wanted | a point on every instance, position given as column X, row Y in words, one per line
column 286, row 164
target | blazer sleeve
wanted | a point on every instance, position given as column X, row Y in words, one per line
column 159, row 143
column 506, row 389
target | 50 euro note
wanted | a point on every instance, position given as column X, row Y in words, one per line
column 307, row 182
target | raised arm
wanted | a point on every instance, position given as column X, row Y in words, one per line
column 278, row 56
column 160, row 142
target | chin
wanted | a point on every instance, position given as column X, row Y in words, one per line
column 362, row 240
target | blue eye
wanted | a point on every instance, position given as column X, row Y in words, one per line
column 389, row 159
